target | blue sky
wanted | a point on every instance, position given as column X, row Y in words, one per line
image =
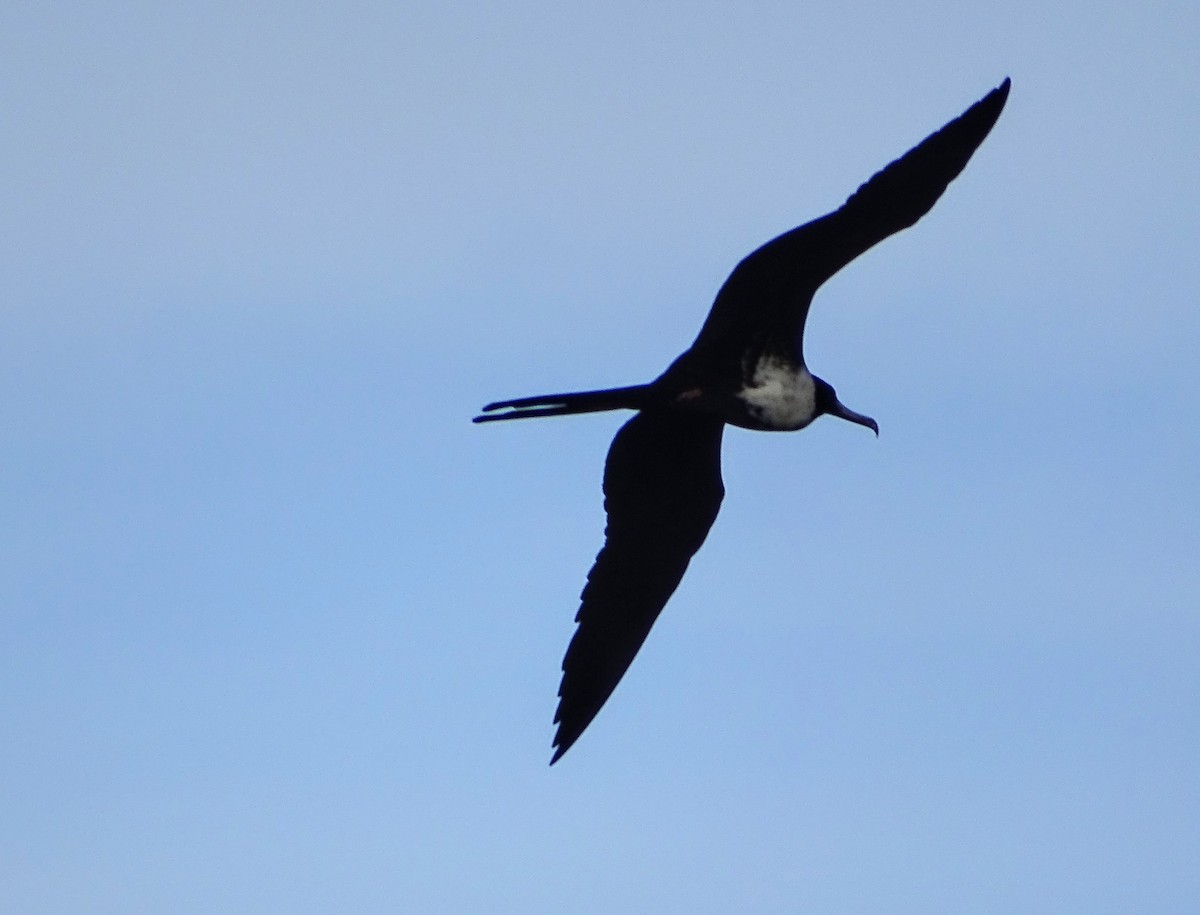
column 280, row 629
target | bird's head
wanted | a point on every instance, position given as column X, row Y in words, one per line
column 827, row 402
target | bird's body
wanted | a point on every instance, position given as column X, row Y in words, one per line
column 779, row 396
column 662, row 478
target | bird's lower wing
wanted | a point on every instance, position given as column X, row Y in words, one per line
column 662, row 491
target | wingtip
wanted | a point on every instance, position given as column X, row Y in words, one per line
column 560, row 747
column 983, row 115
column 562, row 741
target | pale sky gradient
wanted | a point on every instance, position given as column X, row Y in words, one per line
column 280, row 629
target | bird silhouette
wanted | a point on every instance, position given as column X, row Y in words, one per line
column 662, row 479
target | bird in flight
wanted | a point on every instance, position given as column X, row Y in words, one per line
column 662, row 478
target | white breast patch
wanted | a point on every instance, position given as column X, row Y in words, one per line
column 780, row 396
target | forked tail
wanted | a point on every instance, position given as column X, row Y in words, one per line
column 631, row 398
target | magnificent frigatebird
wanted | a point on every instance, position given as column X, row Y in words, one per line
column 662, row 478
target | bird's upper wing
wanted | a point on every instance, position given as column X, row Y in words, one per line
column 662, row 491
column 773, row 286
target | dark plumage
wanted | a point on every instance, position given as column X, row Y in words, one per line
column 662, row 479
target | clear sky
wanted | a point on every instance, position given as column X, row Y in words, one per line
column 280, row 629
